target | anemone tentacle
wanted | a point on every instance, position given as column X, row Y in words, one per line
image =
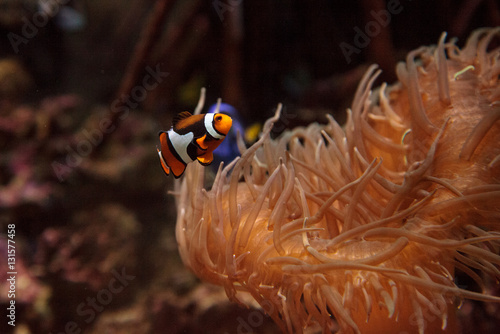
column 363, row 226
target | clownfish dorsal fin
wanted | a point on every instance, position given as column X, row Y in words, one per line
column 180, row 117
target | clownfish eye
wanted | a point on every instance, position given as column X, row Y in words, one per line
column 218, row 118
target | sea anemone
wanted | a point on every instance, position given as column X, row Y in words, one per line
column 364, row 227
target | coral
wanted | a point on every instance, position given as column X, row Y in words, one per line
column 97, row 242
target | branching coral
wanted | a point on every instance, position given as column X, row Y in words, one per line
column 362, row 228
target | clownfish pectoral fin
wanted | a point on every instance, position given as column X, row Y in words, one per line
column 201, row 142
column 164, row 166
column 176, row 166
column 206, row 159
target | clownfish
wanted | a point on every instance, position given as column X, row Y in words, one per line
column 192, row 137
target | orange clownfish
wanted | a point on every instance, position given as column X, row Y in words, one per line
column 192, row 137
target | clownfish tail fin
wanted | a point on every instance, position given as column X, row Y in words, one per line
column 164, row 166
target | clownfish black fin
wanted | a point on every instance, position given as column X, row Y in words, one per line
column 206, row 159
column 180, row 116
column 201, row 142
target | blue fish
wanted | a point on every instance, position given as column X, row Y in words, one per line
column 228, row 149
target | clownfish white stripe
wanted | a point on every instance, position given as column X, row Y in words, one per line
column 180, row 144
column 209, row 125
